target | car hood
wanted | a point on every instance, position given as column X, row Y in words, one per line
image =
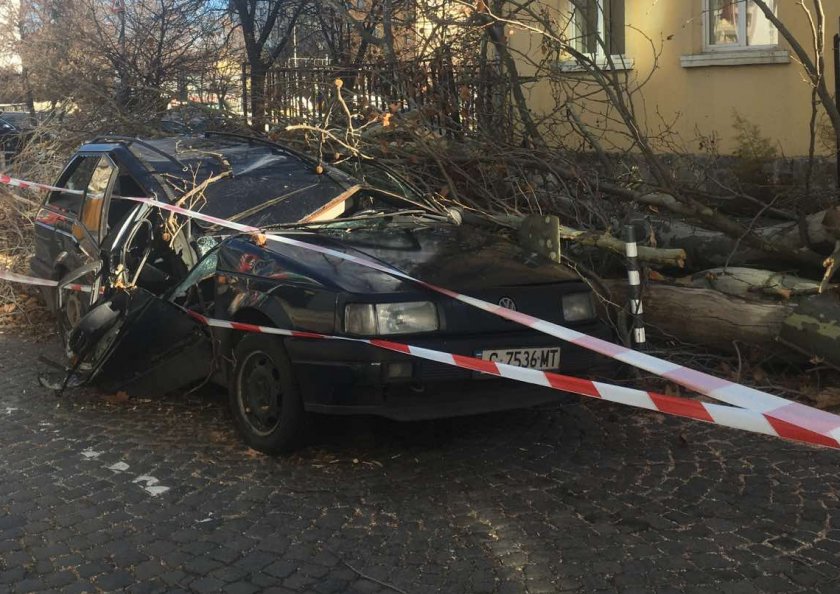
column 456, row 257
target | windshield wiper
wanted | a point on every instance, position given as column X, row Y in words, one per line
column 384, row 217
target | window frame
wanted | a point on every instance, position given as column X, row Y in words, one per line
column 613, row 61
column 742, row 32
column 601, row 33
column 106, row 199
column 601, row 58
column 65, row 176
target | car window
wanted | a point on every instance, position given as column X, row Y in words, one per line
column 94, row 198
column 125, row 185
column 76, row 177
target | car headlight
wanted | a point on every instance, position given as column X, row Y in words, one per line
column 578, row 307
column 390, row 318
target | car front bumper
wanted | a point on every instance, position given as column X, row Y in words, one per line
column 348, row 378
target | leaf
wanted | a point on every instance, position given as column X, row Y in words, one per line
column 759, row 375
column 118, row 398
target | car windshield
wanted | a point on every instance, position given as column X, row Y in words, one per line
column 381, row 176
column 363, row 207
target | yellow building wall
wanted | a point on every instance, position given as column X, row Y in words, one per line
column 701, row 100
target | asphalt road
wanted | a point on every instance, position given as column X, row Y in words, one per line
column 158, row 495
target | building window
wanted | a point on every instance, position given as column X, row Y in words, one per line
column 598, row 27
column 738, row 24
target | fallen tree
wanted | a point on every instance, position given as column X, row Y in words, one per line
column 708, row 317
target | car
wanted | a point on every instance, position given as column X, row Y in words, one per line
column 13, row 133
column 153, row 276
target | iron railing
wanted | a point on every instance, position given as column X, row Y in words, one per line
column 455, row 99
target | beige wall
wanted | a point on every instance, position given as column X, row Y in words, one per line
column 703, row 99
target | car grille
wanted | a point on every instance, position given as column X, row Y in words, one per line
column 541, row 301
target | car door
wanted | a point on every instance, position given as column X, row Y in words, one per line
column 156, row 346
column 69, row 227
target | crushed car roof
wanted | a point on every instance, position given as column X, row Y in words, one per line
column 239, row 179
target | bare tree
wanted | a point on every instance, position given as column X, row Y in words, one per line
column 155, row 46
column 267, row 27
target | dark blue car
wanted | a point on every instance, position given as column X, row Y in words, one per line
column 147, row 269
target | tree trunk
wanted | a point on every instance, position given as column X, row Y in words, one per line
column 706, row 248
column 496, row 33
column 257, row 80
column 706, row 317
column 751, row 283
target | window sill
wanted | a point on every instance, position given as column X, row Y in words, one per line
column 618, row 63
column 739, row 57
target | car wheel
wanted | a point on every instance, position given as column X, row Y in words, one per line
column 264, row 398
column 73, row 308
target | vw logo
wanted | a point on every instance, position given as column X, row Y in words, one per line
column 507, row 303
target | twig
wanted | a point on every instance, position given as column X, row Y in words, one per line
column 831, row 264
column 201, row 187
column 330, row 135
column 373, row 579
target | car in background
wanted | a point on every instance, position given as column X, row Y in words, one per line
column 15, row 128
column 150, row 270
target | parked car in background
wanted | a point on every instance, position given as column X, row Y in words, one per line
column 15, row 128
column 133, row 332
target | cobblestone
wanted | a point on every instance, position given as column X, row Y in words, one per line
column 575, row 497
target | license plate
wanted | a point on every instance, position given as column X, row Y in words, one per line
column 546, row 358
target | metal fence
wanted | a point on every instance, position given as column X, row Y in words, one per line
column 450, row 96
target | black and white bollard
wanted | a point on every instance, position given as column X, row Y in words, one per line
column 637, row 325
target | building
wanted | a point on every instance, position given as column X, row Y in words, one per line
column 700, row 63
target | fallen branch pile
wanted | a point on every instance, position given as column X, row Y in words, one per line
column 725, row 271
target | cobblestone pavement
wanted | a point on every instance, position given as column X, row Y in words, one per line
column 153, row 495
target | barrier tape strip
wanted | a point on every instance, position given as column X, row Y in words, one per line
column 8, row 275
column 14, row 277
column 27, row 185
column 724, row 416
column 775, row 407
column 718, row 414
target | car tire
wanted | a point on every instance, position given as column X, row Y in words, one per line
column 264, row 398
column 73, row 309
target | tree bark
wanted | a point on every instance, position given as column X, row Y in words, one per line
column 496, row 32
column 751, row 283
column 257, row 81
column 706, row 317
column 707, row 248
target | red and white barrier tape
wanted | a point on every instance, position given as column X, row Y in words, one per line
column 8, row 275
column 27, row 185
column 725, row 416
column 771, row 406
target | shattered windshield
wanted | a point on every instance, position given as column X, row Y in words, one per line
column 361, row 207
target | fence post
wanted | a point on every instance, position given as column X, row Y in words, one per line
column 245, row 91
column 837, row 89
column 634, row 294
